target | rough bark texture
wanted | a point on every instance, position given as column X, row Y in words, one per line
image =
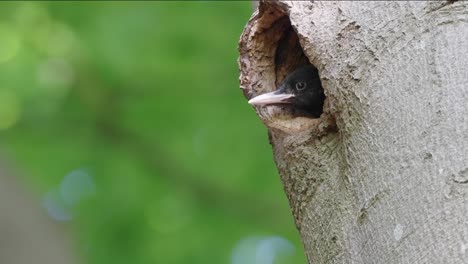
column 382, row 175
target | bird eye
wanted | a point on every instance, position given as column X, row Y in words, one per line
column 300, row 86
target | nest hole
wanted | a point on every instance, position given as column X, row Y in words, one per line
column 284, row 54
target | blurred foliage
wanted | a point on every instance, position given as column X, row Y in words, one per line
column 142, row 98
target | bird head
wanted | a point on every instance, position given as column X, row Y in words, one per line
column 301, row 90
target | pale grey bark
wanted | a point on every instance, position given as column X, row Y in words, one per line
column 255, row 4
column 27, row 234
column 382, row 176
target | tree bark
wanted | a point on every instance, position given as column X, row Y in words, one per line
column 382, row 175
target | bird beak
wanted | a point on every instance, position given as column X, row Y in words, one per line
column 276, row 97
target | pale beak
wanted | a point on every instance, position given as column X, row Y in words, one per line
column 276, row 97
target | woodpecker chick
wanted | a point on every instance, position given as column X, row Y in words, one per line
column 301, row 90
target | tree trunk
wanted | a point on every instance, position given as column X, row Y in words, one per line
column 382, row 175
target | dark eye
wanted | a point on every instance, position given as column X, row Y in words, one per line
column 301, row 86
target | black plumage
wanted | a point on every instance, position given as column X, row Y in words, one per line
column 301, row 90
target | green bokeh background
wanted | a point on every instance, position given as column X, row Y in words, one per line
column 144, row 98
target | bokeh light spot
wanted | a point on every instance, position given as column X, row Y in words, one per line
column 30, row 14
column 261, row 250
column 75, row 186
column 34, row 23
column 270, row 248
column 10, row 109
column 9, row 44
column 55, row 207
column 55, row 75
